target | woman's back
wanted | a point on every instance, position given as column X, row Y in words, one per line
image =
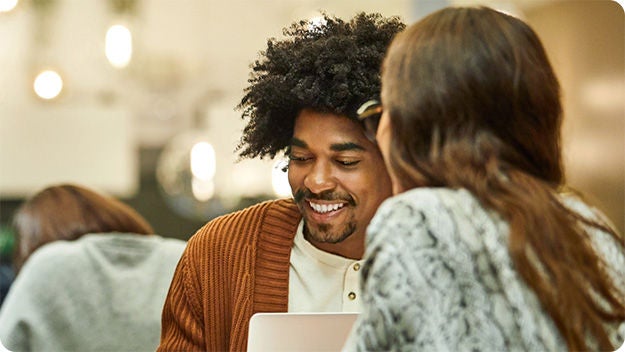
column 441, row 278
column 99, row 292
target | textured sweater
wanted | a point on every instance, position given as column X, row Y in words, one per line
column 438, row 277
column 102, row 292
column 234, row 266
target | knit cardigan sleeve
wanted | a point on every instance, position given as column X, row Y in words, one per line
column 182, row 323
column 233, row 267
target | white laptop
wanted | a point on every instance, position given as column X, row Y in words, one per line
column 299, row 331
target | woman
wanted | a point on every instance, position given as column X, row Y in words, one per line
column 92, row 275
column 481, row 248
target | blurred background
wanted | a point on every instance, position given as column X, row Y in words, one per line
column 136, row 98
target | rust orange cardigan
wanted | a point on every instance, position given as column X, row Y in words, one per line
column 234, row 266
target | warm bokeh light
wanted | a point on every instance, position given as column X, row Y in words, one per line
column 118, row 46
column 48, row 84
column 7, row 5
column 203, row 190
column 203, row 166
column 203, row 161
column 280, row 179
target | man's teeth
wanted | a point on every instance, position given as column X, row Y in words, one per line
column 324, row 208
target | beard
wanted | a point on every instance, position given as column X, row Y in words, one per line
column 328, row 233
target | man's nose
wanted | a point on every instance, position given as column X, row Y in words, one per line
column 320, row 178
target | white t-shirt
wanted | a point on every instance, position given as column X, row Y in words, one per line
column 320, row 281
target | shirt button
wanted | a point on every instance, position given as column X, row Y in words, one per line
column 356, row 267
column 352, row 296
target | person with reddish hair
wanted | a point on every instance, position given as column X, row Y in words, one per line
column 67, row 212
column 92, row 275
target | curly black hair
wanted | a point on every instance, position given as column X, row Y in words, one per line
column 332, row 66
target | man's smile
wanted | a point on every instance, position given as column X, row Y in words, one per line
column 323, row 208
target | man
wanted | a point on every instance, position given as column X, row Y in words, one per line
column 300, row 254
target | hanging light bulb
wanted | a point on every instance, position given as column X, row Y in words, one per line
column 118, row 47
column 185, row 172
column 7, row 5
column 203, row 161
column 48, row 84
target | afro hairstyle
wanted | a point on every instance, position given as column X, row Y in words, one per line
column 332, row 66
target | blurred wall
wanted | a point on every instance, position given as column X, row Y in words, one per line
column 190, row 65
column 585, row 41
column 109, row 127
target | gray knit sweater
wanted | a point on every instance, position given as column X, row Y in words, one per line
column 102, row 292
column 438, row 277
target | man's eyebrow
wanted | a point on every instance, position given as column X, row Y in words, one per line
column 341, row 147
column 337, row 147
column 296, row 142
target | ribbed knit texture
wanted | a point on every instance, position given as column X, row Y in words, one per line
column 233, row 267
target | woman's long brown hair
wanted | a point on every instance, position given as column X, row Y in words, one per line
column 474, row 103
column 67, row 212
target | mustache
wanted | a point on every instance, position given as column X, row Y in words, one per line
column 300, row 194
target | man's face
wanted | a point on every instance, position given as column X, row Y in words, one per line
column 338, row 180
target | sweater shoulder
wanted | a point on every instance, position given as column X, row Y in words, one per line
column 280, row 216
column 280, row 210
